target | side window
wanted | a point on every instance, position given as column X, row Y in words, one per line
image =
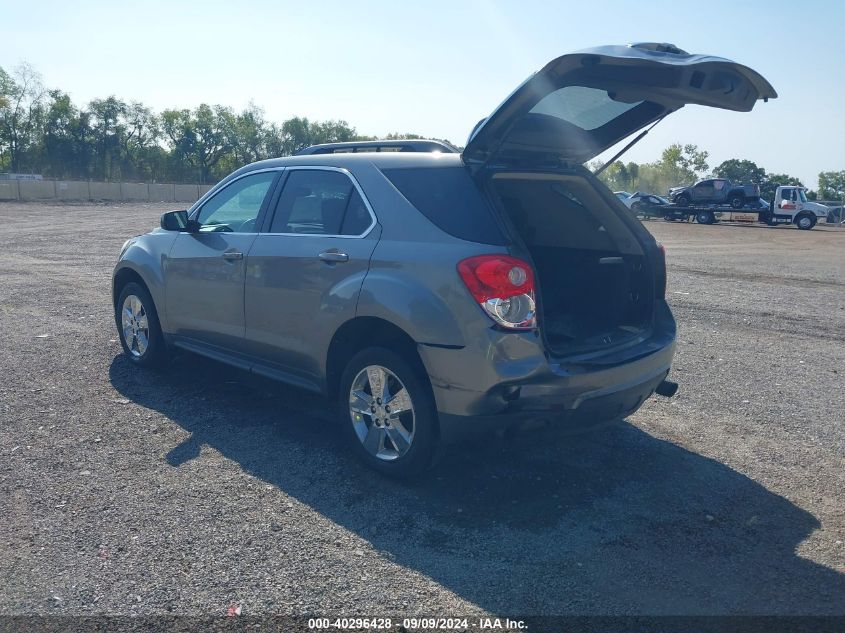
column 320, row 202
column 719, row 184
column 357, row 218
column 451, row 199
column 235, row 208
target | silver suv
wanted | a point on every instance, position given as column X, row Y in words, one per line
column 433, row 294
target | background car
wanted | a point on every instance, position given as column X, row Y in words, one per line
column 715, row 191
column 640, row 200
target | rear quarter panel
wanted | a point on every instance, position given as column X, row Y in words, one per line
column 413, row 280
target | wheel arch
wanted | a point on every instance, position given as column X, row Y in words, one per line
column 360, row 333
column 125, row 275
column 737, row 194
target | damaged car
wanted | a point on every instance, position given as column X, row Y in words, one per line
column 435, row 294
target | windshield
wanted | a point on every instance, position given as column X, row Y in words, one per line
column 802, row 196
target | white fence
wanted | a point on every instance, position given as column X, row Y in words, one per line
column 90, row 190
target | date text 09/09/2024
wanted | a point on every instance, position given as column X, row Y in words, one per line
column 410, row 624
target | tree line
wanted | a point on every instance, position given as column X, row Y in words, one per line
column 42, row 131
column 684, row 164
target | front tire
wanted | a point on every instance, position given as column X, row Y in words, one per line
column 682, row 200
column 138, row 327
column 387, row 413
column 805, row 222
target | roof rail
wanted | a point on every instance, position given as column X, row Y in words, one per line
column 404, row 145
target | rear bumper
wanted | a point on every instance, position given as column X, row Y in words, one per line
column 593, row 408
column 508, row 385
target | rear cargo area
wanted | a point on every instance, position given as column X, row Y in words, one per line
column 595, row 285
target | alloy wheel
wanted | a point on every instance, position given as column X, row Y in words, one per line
column 382, row 413
column 135, row 326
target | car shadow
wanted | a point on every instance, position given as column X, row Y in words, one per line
column 615, row 521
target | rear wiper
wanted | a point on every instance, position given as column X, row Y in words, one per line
column 628, row 146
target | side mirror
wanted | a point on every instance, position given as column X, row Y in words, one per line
column 178, row 221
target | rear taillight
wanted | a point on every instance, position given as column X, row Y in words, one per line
column 504, row 287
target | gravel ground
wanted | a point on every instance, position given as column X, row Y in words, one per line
column 200, row 488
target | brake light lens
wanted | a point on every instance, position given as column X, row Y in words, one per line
column 504, row 288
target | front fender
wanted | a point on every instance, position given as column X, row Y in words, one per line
column 145, row 255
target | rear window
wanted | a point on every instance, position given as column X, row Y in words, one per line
column 449, row 197
column 588, row 108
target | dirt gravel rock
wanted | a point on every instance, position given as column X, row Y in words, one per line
column 196, row 488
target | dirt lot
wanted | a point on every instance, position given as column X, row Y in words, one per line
column 199, row 488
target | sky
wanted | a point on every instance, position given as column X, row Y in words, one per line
column 435, row 68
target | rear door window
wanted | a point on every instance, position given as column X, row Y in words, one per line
column 320, row 202
column 450, row 198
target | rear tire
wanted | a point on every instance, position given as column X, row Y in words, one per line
column 704, row 217
column 736, row 202
column 138, row 327
column 398, row 440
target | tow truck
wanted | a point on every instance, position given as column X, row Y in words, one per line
column 790, row 206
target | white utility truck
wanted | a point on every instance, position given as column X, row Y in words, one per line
column 790, row 206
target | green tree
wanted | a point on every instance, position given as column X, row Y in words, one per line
column 298, row 133
column 683, row 164
column 250, row 136
column 199, row 140
column 678, row 165
column 617, row 177
column 142, row 156
column 832, row 185
column 68, row 141
column 740, row 171
column 334, row 132
column 109, row 131
column 21, row 108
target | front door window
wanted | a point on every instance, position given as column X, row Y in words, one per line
column 235, row 208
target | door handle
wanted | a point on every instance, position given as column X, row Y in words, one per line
column 233, row 255
column 333, row 256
